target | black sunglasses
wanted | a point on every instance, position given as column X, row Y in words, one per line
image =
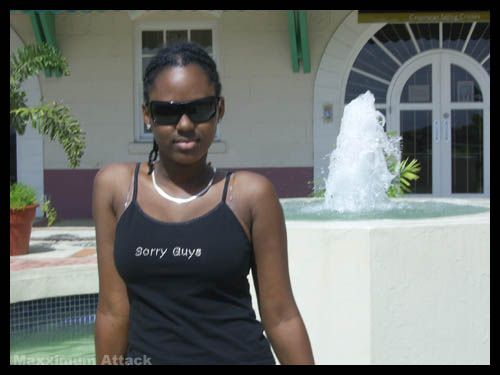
column 169, row 113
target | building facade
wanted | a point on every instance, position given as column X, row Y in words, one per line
column 286, row 76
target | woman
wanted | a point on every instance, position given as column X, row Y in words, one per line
column 176, row 239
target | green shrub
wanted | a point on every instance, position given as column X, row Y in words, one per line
column 21, row 195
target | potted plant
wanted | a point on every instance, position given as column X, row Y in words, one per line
column 49, row 119
column 23, row 204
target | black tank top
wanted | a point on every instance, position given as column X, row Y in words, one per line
column 188, row 289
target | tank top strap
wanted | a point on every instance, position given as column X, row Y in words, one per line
column 226, row 184
column 136, row 178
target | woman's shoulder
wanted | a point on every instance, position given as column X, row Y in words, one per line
column 254, row 186
column 114, row 173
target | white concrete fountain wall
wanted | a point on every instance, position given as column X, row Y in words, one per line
column 394, row 291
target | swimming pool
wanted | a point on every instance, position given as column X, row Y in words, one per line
column 53, row 331
column 70, row 345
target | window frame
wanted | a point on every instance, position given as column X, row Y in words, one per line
column 140, row 136
column 416, row 50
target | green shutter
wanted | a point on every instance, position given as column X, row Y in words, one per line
column 304, row 41
column 299, row 40
column 45, row 31
column 293, row 40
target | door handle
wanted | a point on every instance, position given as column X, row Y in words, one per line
column 437, row 130
column 447, row 130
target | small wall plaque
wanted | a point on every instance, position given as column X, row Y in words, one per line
column 327, row 113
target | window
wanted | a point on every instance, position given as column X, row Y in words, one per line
column 150, row 38
column 394, row 44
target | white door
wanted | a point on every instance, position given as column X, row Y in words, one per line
column 439, row 104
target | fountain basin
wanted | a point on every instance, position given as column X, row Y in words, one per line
column 394, row 291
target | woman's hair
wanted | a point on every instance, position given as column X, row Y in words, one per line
column 180, row 54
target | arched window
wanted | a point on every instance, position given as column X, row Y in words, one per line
column 421, row 77
column 394, row 44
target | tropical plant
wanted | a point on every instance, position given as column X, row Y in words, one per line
column 22, row 195
column 401, row 182
column 48, row 210
column 49, row 119
column 318, row 193
column 404, row 172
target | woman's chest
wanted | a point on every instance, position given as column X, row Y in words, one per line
column 213, row 247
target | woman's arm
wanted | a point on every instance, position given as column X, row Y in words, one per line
column 281, row 318
column 112, row 317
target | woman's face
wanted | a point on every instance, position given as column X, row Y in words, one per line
column 186, row 142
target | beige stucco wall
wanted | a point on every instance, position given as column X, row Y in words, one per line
column 269, row 109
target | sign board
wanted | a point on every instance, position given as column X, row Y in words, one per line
column 422, row 16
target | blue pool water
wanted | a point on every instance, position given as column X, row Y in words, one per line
column 53, row 331
column 70, row 345
column 313, row 209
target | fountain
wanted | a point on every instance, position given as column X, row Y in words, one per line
column 387, row 281
column 359, row 176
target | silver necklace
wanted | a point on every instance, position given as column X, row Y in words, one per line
column 182, row 200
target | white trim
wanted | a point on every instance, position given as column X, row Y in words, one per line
column 389, row 53
column 139, row 136
column 412, row 36
column 468, row 37
column 372, row 76
column 485, row 59
column 440, row 35
column 136, row 14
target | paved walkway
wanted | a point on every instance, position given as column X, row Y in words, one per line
column 57, row 246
